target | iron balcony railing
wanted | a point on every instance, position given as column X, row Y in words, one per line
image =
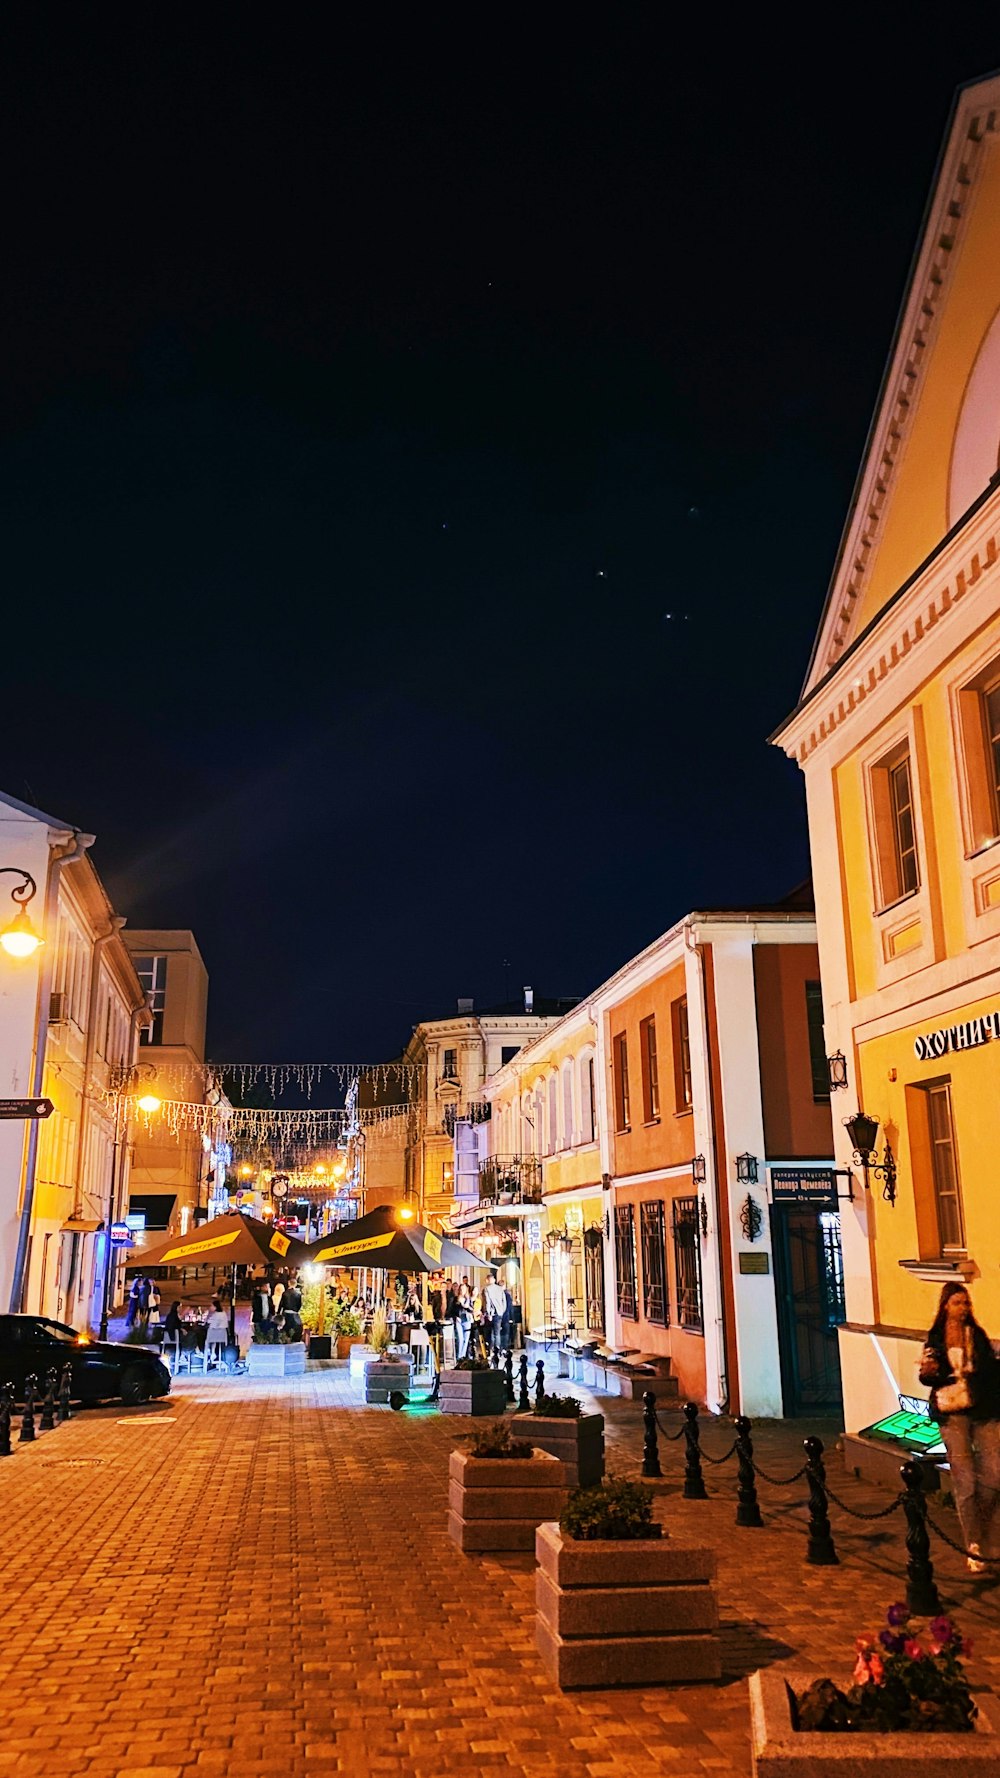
column 510, row 1179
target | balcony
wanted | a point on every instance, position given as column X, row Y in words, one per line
column 510, row 1179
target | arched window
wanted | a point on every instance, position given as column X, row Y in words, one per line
column 539, row 1115
column 588, row 1102
column 569, row 1122
column 553, row 1113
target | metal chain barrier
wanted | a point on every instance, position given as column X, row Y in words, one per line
column 717, row 1460
column 780, row 1481
column 854, row 1513
column 671, row 1437
column 960, row 1548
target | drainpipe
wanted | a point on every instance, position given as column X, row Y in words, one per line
column 73, row 849
column 699, row 956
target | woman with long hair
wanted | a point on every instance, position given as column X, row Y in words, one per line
column 963, row 1373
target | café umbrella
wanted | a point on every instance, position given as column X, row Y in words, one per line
column 235, row 1240
column 386, row 1242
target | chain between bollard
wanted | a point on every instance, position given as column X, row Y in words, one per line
column 854, row 1512
column 780, row 1481
column 725, row 1456
column 671, row 1437
column 960, row 1548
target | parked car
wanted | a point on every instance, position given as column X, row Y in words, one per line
column 101, row 1370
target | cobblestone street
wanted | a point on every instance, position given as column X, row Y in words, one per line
column 255, row 1577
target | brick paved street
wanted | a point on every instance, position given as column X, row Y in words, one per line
column 255, row 1578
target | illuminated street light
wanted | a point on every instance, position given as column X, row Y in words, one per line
column 20, row 939
column 149, row 1103
column 405, row 1213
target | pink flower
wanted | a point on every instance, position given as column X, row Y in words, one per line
column 912, row 1648
column 861, row 1674
column 876, row 1669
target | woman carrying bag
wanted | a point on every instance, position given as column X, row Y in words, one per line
column 963, row 1373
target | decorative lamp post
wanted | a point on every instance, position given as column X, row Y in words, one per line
column 863, row 1132
column 122, row 1084
column 20, row 939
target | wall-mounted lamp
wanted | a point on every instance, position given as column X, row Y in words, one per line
column 863, row 1132
column 698, row 1174
column 837, row 1065
column 746, row 1169
column 20, row 939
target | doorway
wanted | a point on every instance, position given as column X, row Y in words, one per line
column 809, row 1287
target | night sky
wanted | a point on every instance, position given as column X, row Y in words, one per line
column 423, row 458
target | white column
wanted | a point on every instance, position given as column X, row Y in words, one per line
column 716, row 1381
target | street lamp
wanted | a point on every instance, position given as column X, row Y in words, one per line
column 122, row 1083
column 863, row 1132
column 20, row 939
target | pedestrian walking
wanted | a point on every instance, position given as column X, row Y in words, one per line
column 132, row 1307
column 962, row 1370
column 496, row 1308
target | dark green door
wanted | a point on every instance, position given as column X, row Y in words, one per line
column 809, row 1282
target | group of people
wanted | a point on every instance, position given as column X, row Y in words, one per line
column 483, row 1320
column 962, row 1371
column 143, row 1303
column 276, row 1307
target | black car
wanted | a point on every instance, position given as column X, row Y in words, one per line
column 100, row 1369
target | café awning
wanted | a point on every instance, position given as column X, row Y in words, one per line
column 387, row 1242
column 234, row 1240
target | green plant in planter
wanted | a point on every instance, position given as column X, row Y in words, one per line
column 616, row 1508
column 345, row 1325
column 470, row 1364
column 380, row 1339
column 898, row 1683
column 497, row 1440
column 559, row 1407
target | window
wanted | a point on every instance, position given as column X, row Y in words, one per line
column 817, row 1042
column 508, row 1052
column 553, row 1092
column 619, row 1052
column 682, row 1055
column 152, row 973
column 448, row 1177
column 589, row 1101
column 654, row 1262
column 944, row 1168
column 979, row 722
column 687, row 1263
column 650, row 1078
column 894, row 825
column 449, row 1065
column 991, row 717
column 567, row 1081
column 593, row 1263
column 625, row 1259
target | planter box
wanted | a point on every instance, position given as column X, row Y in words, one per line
column 633, row 1388
column 383, row 1375
column 473, row 1392
column 782, row 1751
column 625, row 1613
column 347, row 1342
column 360, row 1356
column 579, row 1444
column 276, row 1361
column 497, row 1503
column 321, row 1346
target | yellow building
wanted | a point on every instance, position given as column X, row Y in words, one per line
column 539, row 1186
column 898, row 735
column 173, row 1169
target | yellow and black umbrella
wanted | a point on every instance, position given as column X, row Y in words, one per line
column 233, row 1241
column 390, row 1240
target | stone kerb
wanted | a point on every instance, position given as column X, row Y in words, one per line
column 782, row 1751
column 497, row 1503
column 578, row 1443
column 615, row 1612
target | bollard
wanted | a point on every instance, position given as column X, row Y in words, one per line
column 821, row 1551
column 48, row 1420
column 539, row 1381
column 4, row 1425
column 27, row 1432
column 65, row 1386
column 694, row 1481
column 921, row 1591
column 523, row 1398
column 650, row 1452
column 747, row 1504
column 508, row 1375
column 495, row 1358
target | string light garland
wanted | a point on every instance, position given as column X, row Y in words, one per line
column 277, row 1078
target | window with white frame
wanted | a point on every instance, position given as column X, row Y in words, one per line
column 894, row 826
column 568, row 1120
column 152, row 973
column 553, row 1090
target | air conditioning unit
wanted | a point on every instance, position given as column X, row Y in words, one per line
column 58, row 1009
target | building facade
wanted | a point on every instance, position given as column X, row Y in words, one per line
column 898, row 735
column 70, row 1020
column 175, row 1169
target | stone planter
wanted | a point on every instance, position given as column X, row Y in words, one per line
column 782, row 1751
column 320, row 1346
column 383, row 1375
column 276, row 1361
column 625, row 1613
column 360, row 1356
column 497, row 1503
column 473, row 1392
column 579, row 1444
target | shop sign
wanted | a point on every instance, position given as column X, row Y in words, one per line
column 121, row 1235
column 533, row 1230
column 803, row 1185
column 966, row 1036
column 136, row 1220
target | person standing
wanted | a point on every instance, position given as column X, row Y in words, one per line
column 959, row 1365
column 153, row 1303
column 132, row 1309
column 496, row 1307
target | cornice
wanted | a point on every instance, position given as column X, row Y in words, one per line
column 977, row 119
column 935, row 598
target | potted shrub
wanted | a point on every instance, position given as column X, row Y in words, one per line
column 909, row 1709
column 471, row 1387
column 276, row 1355
column 347, row 1332
column 558, row 1425
column 387, row 1371
column 500, row 1491
column 617, row 1603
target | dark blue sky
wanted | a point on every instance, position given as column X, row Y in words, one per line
column 368, row 404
